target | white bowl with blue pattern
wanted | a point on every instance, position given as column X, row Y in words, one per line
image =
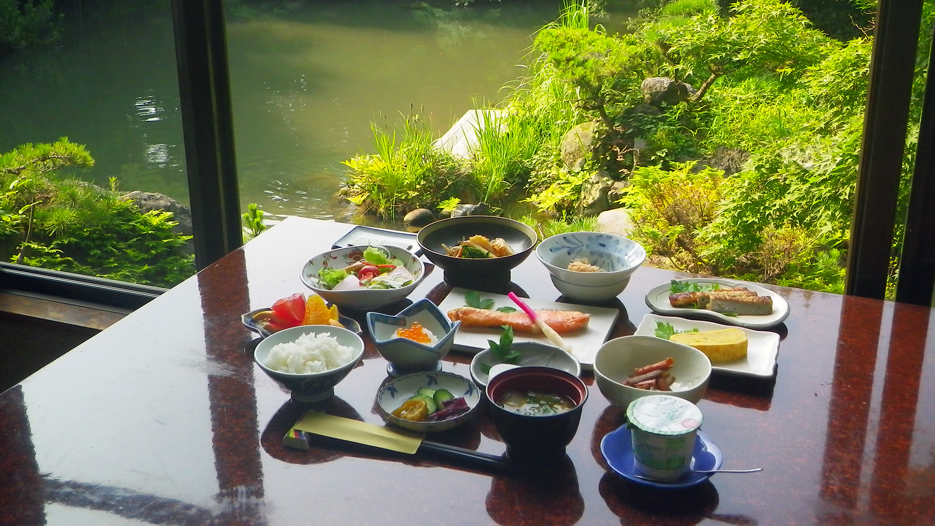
column 618, row 258
column 398, row 390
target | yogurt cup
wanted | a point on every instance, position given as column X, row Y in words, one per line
column 663, row 430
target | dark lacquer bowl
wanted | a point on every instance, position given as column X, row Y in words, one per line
column 536, row 438
column 521, row 238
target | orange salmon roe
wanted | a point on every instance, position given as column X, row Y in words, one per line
column 415, row 332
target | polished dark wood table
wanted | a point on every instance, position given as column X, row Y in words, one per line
column 164, row 419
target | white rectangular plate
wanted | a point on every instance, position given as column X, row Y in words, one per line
column 762, row 346
column 584, row 343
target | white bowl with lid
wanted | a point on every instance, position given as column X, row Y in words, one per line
column 663, row 430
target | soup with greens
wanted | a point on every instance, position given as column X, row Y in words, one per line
column 532, row 403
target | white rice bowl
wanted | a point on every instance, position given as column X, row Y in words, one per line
column 310, row 353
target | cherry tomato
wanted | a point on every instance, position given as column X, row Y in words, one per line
column 291, row 309
column 413, row 410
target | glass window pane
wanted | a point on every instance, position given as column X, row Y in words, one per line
column 109, row 85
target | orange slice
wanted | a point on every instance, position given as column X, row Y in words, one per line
column 316, row 312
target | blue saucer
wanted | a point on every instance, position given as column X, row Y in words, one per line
column 617, row 449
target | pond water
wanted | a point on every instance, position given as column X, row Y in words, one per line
column 307, row 82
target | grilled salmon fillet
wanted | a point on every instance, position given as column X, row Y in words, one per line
column 562, row 321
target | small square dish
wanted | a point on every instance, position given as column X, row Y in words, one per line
column 762, row 346
column 362, row 236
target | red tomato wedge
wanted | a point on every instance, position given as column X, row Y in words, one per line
column 291, row 310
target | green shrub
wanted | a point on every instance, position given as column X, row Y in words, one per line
column 73, row 226
column 28, row 22
column 688, row 8
column 407, row 172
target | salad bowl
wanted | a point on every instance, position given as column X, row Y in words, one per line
column 363, row 278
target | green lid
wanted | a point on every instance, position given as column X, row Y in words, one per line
column 664, row 415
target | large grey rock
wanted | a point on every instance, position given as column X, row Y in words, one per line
column 616, row 191
column 149, row 201
column 594, row 193
column 418, row 218
column 615, row 221
column 657, row 90
column 577, row 145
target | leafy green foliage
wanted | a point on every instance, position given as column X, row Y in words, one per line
column 28, row 22
column 670, row 208
column 406, row 173
column 761, row 37
column 72, row 226
column 253, row 220
column 604, row 69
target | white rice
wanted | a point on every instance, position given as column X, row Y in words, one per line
column 310, row 353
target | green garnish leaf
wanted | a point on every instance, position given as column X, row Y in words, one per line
column 503, row 350
column 666, row 330
column 472, row 299
column 506, row 309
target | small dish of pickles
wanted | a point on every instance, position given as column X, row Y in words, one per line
column 428, row 401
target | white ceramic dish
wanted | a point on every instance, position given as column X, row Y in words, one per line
column 396, row 391
column 585, row 343
column 617, row 359
column 762, row 346
column 406, row 355
column 363, row 298
column 311, row 387
column 658, row 300
column 617, row 256
column 531, row 353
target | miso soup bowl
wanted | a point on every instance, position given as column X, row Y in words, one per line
column 536, row 438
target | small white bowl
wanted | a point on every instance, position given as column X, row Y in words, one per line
column 360, row 299
column 398, row 390
column 531, row 353
column 589, row 293
column 617, row 256
column 406, row 355
column 311, row 387
column 617, row 359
